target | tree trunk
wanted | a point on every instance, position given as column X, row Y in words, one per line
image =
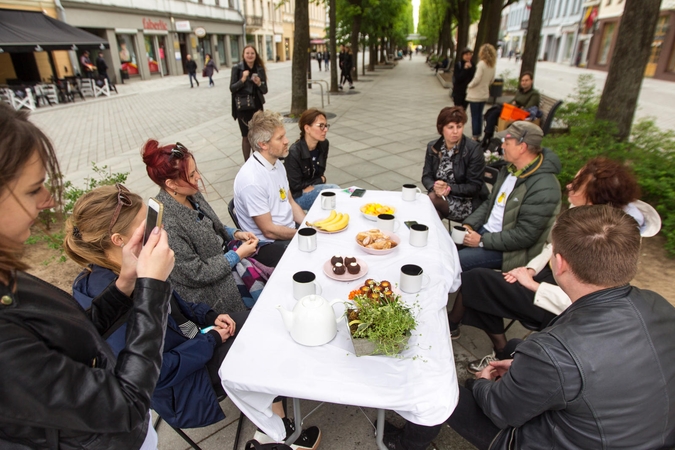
column 383, row 50
column 627, row 67
column 356, row 29
column 533, row 37
column 372, row 54
column 463, row 24
column 481, row 33
column 300, row 57
column 446, row 35
column 333, row 47
column 494, row 20
column 363, row 58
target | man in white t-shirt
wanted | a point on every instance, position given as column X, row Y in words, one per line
column 262, row 199
column 511, row 227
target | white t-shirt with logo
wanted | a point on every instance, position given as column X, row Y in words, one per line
column 496, row 220
column 261, row 188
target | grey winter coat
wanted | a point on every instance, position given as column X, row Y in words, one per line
column 529, row 215
column 202, row 272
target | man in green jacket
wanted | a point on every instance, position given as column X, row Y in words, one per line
column 512, row 226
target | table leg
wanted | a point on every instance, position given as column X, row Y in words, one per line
column 380, row 430
column 297, row 416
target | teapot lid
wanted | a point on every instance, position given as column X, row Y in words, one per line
column 313, row 301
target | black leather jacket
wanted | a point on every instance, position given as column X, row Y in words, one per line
column 600, row 376
column 300, row 168
column 468, row 166
column 248, row 86
column 61, row 386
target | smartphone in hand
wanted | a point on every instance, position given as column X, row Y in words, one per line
column 153, row 218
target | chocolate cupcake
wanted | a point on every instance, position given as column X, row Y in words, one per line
column 339, row 269
column 353, row 268
column 336, row 259
column 349, row 260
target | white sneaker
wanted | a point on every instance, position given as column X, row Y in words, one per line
column 480, row 364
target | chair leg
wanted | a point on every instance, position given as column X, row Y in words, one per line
column 239, row 427
column 157, row 422
column 187, row 439
column 509, row 325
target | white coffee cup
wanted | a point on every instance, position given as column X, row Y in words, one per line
column 413, row 279
column 418, row 235
column 304, row 283
column 328, row 200
column 387, row 222
column 307, row 239
column 458, row 233
column 410, row 192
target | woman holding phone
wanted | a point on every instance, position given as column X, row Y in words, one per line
column 248, row 85
column 207, row 269
column 64, row 386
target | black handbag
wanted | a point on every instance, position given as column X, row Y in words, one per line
column 245, row 102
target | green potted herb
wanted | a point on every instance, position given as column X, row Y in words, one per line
column 379, row 322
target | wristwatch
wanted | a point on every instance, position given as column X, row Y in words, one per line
column 480, row 243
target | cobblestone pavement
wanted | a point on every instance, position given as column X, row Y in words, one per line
column 377, row 141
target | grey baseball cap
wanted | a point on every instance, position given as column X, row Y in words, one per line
column 523, row 131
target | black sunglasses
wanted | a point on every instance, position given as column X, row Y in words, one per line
column 178, row 151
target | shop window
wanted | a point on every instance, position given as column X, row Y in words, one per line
column 125, row 47
column 606, row 42
column 234, row 49
column 221, row 50
column 150, row 52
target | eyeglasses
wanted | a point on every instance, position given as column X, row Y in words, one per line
column 178, row 151
column 323, row 126
column 122, row 200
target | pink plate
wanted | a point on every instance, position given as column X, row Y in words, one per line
column 328, row 270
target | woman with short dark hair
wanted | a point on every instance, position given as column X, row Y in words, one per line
column 306, row 161
column 453, row 168
column 461, row 77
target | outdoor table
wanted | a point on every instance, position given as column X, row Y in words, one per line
column 265, row 362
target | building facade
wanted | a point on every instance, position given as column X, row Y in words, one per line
column 152, row 38
column 661, row 63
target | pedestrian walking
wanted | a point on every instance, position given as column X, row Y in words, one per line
column 319, row 58
column 478, row 91
column 87, row 66
column 347, row 66
column 326, row 60
column 102, row 68
column 209, row 67
column 191, row 67
column 248, row 85
column 341, row 60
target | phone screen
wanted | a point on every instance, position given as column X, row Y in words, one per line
column 358, row 193
column 150, row 223
column 410, row 223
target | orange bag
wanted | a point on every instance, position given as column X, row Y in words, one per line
column 512, row 112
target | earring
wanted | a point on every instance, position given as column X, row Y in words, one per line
column 175, row 193
column 122, row 245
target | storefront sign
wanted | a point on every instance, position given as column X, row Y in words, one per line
column 183, row 25
column 155, row 25
column 277, row 38
column 200, row 32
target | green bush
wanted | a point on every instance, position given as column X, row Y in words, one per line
column 650, row 152
column 510, row 83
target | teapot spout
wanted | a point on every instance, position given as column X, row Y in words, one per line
column 287, row 317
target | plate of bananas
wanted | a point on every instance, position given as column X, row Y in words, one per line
column 334, row 223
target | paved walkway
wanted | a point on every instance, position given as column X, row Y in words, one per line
column 377, row 141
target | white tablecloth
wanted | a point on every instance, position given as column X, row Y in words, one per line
column 265, row 361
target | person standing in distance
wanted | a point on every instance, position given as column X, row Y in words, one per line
column 191, row 67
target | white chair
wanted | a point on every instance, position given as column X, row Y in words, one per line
column 86, row 86
column 51, row 92
column 103, row 90
column 17, row 103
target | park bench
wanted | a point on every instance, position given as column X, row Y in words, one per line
column 548, row 107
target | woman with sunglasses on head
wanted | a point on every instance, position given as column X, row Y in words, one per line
column 248, row 85
column 207, row 270
column 306, row 161
column 63, row 386
column 197, row 339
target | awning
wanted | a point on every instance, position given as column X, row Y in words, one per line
column 317, row 41
column 28, row 31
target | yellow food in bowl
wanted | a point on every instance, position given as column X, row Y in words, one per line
column 375, row 209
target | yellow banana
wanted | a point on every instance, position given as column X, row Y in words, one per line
column 330, row 217
column 336, row 219
column 339, row 225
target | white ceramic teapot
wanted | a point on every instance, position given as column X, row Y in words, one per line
column 312, row 321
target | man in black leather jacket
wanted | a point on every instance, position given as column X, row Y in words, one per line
column 602, row 375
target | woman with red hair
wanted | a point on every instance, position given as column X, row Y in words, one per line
column 207, row 270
